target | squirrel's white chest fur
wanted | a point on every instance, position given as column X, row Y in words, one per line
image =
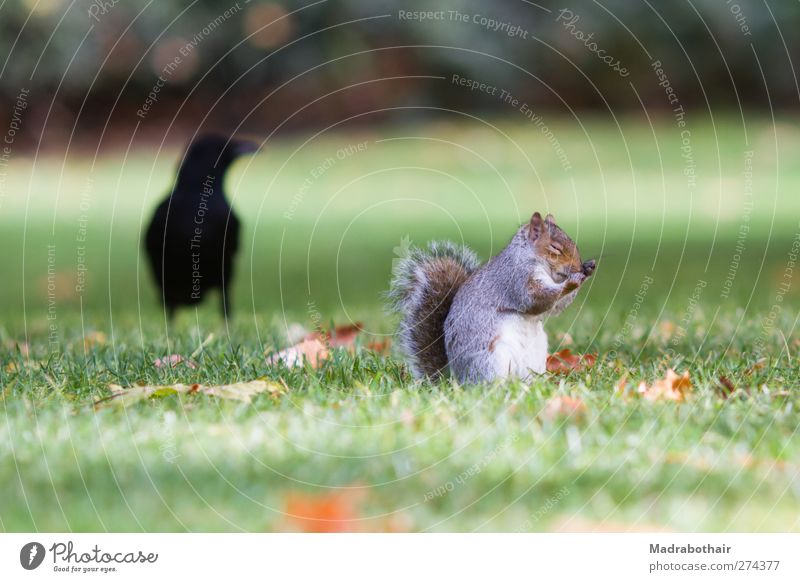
column 521, row 347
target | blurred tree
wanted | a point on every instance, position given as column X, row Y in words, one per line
column 108, row 55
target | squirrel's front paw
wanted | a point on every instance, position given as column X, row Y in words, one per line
column 573, row 282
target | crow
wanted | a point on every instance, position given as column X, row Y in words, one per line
column 194, row 234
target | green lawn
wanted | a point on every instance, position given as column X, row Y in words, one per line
column 357, row 439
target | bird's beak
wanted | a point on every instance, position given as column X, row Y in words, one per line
column 243, row 147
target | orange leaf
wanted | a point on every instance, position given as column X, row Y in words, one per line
column 322, row 513
column 345, row 336
column 757, row 367
column 380, row 346
column 312, row 351
column 94, row 338
column 565, row 361
column 13, row 346
column 672, row 387
column 564, row 406
column 341, row 336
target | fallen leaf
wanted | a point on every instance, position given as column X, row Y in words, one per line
column 564, row 407
column 332, row 512
column 15, row 346
column 345, row 336
column 94, row 338
column 380, row 346
column 295, row 332
column 242, row 391
column 726, row 386
column 760, row 364
column 342, row 336
column 671, row 387
column 312, row 351
column 173, row 361
column 13, row 367
column 565, row 361
column 315, row 346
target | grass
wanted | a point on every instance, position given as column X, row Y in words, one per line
column 356, row 443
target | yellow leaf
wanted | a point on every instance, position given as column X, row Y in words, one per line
column 241, row 391
column 671, row 387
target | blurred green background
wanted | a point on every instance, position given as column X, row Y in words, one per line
column 330, row 240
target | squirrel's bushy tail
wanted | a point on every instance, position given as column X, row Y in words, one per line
column 423, row 286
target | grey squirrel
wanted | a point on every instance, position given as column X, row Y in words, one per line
column 484, row 322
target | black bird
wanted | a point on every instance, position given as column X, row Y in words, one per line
column 194, row 234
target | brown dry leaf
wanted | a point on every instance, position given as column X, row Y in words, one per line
column 341, row 336
column 242, row 391
column 315, row 346
column 14, row 346
column 380, row 346
column 726, row 386
column 13, row 367
column 173, row 361
column 312, row 351
column 332, row 512
column 345, row 336
column 564, row 407
column 671, row 387
column 565, row 361
column 94, row 338
column 758, row 366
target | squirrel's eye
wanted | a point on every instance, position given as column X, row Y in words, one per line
column 554, row 250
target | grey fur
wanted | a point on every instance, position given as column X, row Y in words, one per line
column 498, row 288
column 423, row 286
column 477, row 300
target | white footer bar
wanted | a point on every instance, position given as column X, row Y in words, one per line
column 401, row 557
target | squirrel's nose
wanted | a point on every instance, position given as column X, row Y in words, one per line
column 589, row 267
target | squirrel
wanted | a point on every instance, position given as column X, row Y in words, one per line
column 485, row 322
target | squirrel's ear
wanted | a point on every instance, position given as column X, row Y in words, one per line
column 535, row 229
column 550, row 220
